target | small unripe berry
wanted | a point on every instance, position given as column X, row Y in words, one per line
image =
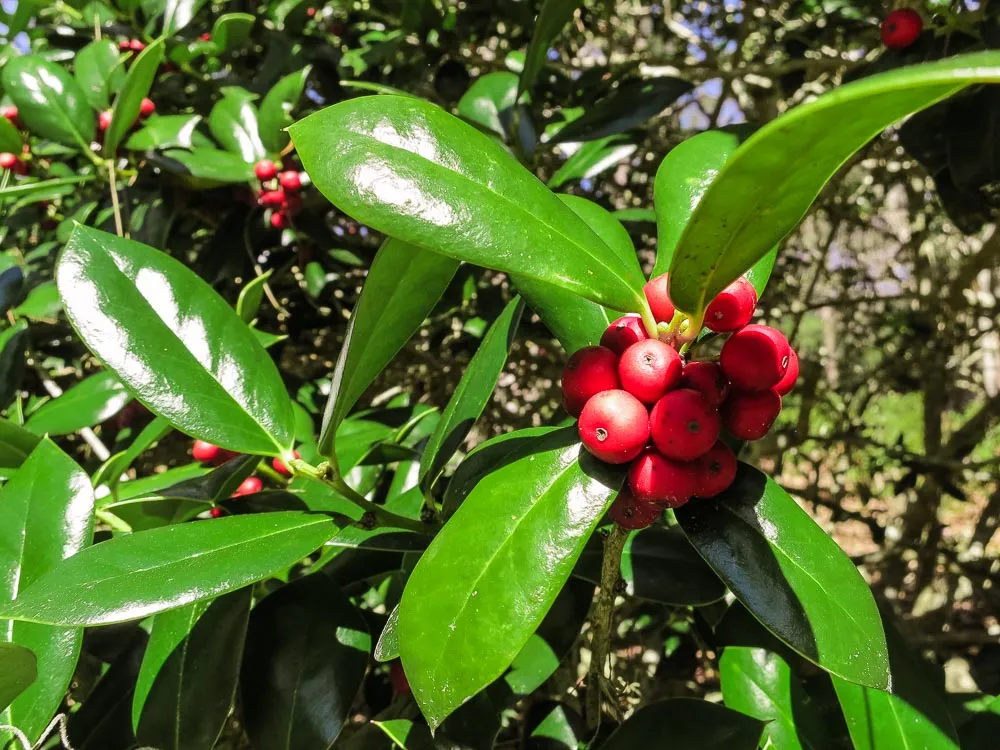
column 624, row 332
column 8, row 160
column 104, row 120
column 279, row 465
column 901, row 28
column 658, row 295
column 249, row 486
column 716, row 470
column 684, row 425
column 732, row 308
column 398, row 678
column 279, row 220
column 290, row 180
column 708, row 379
column 749, row 416
column 791, row 375
column 272, row 198
column 755, row 358
column 649, row 369
column 632, row 514
column 614, row 426
column 653, row 478
column 588, row 372
column 146, row 107
column 265, row 169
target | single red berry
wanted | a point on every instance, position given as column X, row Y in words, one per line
column 398, row 678
column 708, row 379
column 248, row 486
column 265, row 170
column 716, row 470
column 279, row 465
column 732, row 308
column 901, row 28
column 749, row 416
column 755, row 358
column 206, row 37
column 272, row 198
column 624, row 332
column 310, row 12
column 653, row 478
column 791, row 375
column 104, row 120
column 614, row 426
column 588, row 372
column 279, row 220
column 631, row 514
column 205, row 452
column 658, row 295
column 146, row 108
column 684, row 425
column 123, row 45
column 10, row 113
column 136, row 46
column 216, row 512
column 8, row 160
column 649, row 369
column 290, row 180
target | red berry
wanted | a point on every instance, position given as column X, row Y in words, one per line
column 104, row 120
column 216, row 512
column 8, row 160
column 654, row 478
column 624, row 332
column 310, row 12
column 732, row 308
column 21, row 168
column 248, row 486
column 716, row 470
column 588, row 372
column 658, row 295
column 755, row 358
column 265, row 169
column 273, row 198
column 205, row 452
column 10, row 114
column 631, row 514
column 684, row 425
column 787, row 382
column 279, row 220
column 123, row 45
column 146, row 108
column 136, row 46
column 279, row 465
column 398, row 678
column 649, row 369
column 708, row 379
column 749, row 416
column 206, row 37
column 901, row 28
column 290, row 180
column 614, row 426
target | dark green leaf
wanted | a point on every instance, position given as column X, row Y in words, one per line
column 42, row 303
column 407, row 734
column 410, row 169
column 231, row 30
column 138, row 81
column 136, row 575
column 46, row 515
column 43, row 188
column 170, row 131
column 489, row 102
column 757, row 198
column 592, row 158
column 86, row 404
column 207, row 166
column 174, row 342
column 791, row 576
column 189, row 673
column 49, row 101
column 554, row 15
column 276, row 110
column 178, row 13
column 233, row 122
column 13, row 356
column 306, row 655
column 18, row 669
column 687, row 724
column 15, row 444
column 460, row 622
column 99, row 72
column 472, row 393
column 386, row 316
column 387, row 647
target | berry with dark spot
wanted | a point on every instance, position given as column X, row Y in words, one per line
column 630, row 513
column 791, row 375
column 901, row 28
column 708, row 379
column 653, row 478
column 614, row 426
column 649, row 369
column 684, row 425
column 716, row 470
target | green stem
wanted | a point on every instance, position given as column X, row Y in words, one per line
column 113, row 521
column 648, row 320
column 600, row 644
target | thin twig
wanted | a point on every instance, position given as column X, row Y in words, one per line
column 603, row 620
column 119, row 230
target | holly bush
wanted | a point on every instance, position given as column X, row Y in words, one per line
column 191, row 194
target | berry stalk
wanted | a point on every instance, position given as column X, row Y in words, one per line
column 600, row 644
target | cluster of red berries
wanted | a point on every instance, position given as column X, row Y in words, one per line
column 901, row 28
column 279, row 192
column 207, row 453
column 15, row 163
column 146, row 109
column 639, row 402
column 131, row 45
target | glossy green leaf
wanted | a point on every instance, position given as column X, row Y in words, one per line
column 489, row 102
column 251, row 294
column 760, row 683
column 406, row 734
column 387, row 647
column 756, row 200
column 305, row 658
column 137, row 575
column 169, row 131
column 276, row 110
column 189, row 673
column 42, row 303
column 179, row 13
column 460, row 622
column 174, row 342
column 86, row 404
column 46, row 515
column 207, row 166
column 231, row 30
column 99, row 71
column 49, row 101
column 560, row 729
column 410, row 169
column 473, row 392
column 591, row 159
column 15, row 444
column 18, row 669
column 687, row 724
column 14, row 343
column 791, row 575
column 387, row 314
column 10, row 139
column 552, row 18
column 136, row 87
column 233, row 122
